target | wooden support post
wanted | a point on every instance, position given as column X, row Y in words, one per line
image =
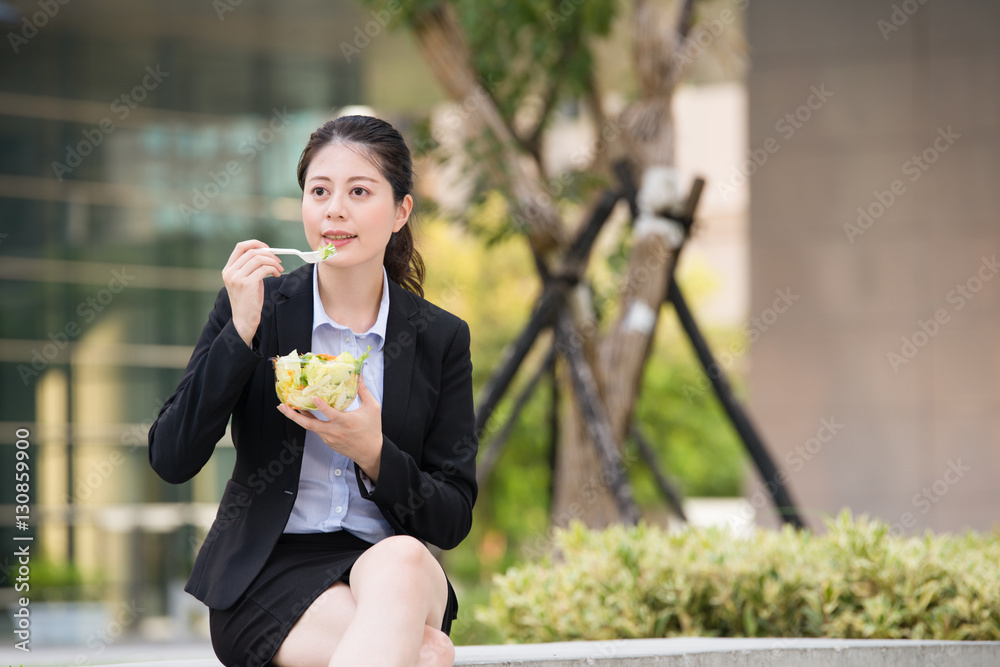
column 488, row 458
column 649, row 456
column 598, row 425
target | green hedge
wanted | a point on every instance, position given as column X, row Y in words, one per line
column 857, row 580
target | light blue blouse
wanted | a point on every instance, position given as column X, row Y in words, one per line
column 328, row 497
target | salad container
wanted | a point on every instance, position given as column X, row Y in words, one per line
column 298, row 379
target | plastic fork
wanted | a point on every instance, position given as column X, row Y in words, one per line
column 311, row 257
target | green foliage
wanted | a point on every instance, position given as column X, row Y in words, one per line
column 521, row 47
column 856, row 581
column 682, row 418
column 60, row 581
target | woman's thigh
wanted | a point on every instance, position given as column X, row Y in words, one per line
column 314, row 637
column 401, row 570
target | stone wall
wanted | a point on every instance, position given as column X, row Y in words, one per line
column 874, row 137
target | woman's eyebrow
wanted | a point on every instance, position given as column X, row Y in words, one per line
column 320, row 177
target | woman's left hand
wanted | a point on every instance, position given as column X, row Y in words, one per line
column 356, row 434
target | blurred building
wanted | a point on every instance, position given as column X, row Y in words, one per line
column 873, row 151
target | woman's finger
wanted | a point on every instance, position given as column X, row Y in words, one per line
column 250, row 260
column 252, row 274
column 325, row 408
column 263, row 271
column 305, row 420
column 365, row 393
column 242, row 247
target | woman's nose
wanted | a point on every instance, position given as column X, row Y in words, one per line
column 335, row 207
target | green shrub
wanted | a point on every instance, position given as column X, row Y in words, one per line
column 857, row 580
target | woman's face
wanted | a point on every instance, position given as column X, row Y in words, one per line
column 347, row 202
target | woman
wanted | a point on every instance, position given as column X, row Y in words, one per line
column 317, row 555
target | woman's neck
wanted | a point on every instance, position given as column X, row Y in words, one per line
column 351, row 296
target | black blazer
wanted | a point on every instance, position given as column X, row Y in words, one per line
column 426, row 485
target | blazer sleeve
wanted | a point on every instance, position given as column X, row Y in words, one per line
column 433, row 500
column 194, row 418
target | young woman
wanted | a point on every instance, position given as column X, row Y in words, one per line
column 317, row 555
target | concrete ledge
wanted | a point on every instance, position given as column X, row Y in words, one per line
column 711, row 652
column 701, row 652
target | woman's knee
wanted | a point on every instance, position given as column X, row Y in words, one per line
column 405, row 567
column 405, row 550
column 436, row 649
column 402, row 555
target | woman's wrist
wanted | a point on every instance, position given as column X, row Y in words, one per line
column 373, row 465
column 246, row 332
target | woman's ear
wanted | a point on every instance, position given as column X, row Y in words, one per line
column 403, row 213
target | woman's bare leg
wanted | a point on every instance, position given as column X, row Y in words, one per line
column 324, row 626
column 314, row 638
column 399, row 591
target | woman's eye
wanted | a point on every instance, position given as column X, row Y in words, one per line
column 358, row 191
column 319, row 191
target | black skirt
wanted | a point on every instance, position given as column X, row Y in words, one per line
column 299, row 570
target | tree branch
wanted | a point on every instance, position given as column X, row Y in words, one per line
column 534, row 141
column 668, row 490
column 685, row 19
column 592, row 97
column 546, row 310
column 441, row 39
column 488, row 458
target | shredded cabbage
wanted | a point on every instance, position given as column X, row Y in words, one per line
column 300, row 378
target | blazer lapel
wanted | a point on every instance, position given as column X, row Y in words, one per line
column 293, row 312
column 399, row 352
column 293, row 317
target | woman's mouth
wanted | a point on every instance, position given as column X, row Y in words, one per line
column 338, row 240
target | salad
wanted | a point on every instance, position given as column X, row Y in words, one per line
column 328, row 251
column 300, row 378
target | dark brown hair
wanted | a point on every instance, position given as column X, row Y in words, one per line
column 378, row 141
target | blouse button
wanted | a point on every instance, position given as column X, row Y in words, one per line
column 338, row 472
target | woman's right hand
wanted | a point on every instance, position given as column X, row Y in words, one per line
column 244, row 277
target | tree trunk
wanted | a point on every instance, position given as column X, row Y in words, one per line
column 615, row 361
column 621, row 352
column 578, row 489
